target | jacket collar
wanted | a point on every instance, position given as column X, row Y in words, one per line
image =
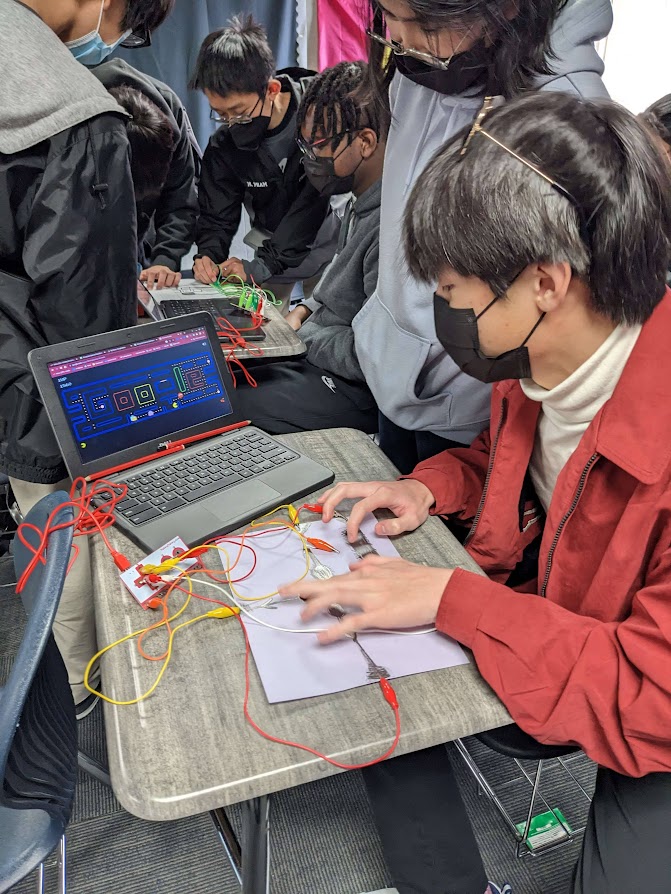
column 633, row 429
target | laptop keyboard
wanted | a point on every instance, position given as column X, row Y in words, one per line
column 195, row 304
column 196, row 476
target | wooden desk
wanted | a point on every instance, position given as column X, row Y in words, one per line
column 187, row 749
column 281, row 342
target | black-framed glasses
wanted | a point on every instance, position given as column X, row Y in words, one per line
column 137, row 39
column 235, row 120
column 489, row 103
column 310, row 149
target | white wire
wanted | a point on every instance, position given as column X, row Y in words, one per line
column 256, row 620
column 12, row 584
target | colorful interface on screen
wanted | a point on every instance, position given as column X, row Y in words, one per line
column 125, row 396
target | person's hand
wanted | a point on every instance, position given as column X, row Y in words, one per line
column 205, row 270
column 296, row 317
column 234, row 267
column 408, row 499
column 160, row 277
column 391, row 593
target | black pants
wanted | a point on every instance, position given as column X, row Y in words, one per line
column 297, row 396
column 407, row 448
column 430, row 847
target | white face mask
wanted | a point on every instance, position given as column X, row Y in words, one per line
column 91, row 49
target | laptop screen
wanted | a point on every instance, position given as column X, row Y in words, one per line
column 122, row 397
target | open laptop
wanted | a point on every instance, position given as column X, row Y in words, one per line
column 121, row 396
column 159, row 306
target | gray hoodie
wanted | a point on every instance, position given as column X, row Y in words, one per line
column 70, row 96
column 344, row 288
column 413, row 380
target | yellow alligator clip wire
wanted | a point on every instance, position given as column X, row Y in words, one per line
column 225, row 611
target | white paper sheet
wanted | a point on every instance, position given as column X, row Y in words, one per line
column 294, row 666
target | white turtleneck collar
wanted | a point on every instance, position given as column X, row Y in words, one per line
column 569, row 408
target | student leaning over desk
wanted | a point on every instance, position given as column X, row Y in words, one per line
column 166, row 220
column 554, row 291
column 67, row 237
column 252, row 161
column 342, row 136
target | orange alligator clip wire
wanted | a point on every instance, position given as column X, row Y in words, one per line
column 322, row 545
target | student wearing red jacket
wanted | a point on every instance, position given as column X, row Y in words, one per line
column 550, row 238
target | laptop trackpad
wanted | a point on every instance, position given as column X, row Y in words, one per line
column 240, row 501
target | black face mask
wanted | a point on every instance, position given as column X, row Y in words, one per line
column 321, row 174
column 466, row 71
column 457, row 331
column 249, row 137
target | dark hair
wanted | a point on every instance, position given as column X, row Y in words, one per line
column 146, row 14
column 658, row 118
column 487, row 214
column 235, row 59
column 521, row 45
column 342, row 103
column 152, row 141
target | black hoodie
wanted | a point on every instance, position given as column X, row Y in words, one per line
column 67, row 225
column 280, row 201
column 173, row 215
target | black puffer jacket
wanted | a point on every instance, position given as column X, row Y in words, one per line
column 67, row 269
column 67, row 224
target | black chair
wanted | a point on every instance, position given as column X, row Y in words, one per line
column 513, row 742
column 38, row 731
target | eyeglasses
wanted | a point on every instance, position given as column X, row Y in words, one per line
column 138, row 39
column 489, row 103
column 236, row 119
column 308, row 149
column 399, row 50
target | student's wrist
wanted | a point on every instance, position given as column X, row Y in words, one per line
column 303, row 312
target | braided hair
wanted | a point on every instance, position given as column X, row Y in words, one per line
column 342, row 103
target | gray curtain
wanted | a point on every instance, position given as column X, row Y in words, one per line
column 172, row 55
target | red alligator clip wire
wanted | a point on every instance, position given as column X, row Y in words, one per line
column 317, row 508
column 388, row 693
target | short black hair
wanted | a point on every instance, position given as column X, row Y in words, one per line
column 342, row 103
column 235, row 59
column 146, row 14
column 521, row 48
column 487, row 214
column 658, row 118
column 152, row 141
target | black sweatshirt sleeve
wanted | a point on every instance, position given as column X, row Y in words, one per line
column 292, row 240
column 177, row 209
column 220, row 195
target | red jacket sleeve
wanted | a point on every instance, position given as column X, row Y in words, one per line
column 567, row 678
column 456, row 478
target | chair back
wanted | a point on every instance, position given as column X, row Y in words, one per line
column 38, row 729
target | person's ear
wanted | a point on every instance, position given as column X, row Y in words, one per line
column 551, row 283
column 274, row 88
column 368, row 142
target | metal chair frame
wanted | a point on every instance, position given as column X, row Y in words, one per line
column 522, row 849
